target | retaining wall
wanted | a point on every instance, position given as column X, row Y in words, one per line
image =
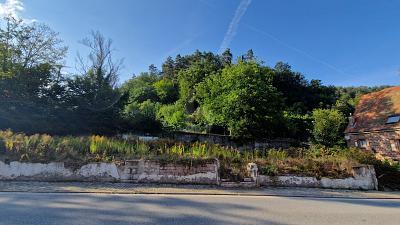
column 364, row 178
column 139, row 171
column 152, row 171
column 229, row 141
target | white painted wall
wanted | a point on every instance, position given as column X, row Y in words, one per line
column 103, row 172
column 364, row 178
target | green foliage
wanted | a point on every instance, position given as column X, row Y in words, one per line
column 140, row 88
column 269, row 170
column 242, row 98
column 142, row 116
column 313, row 93
column 202, row 91
column 166, row 91
column 173, row 116
column 190, row 78
column 328, row 127
column 297, row 126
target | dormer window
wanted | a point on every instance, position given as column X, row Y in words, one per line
column 393, row 119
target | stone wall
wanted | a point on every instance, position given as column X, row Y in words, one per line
column 151, row 171
column 226, row 140
column 147, row 171
column 139, row 171
column 385, row 144
column 364, row 178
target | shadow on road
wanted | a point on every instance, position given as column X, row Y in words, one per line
column 364, row 202
column 116, row 209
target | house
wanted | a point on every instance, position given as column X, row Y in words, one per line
column 375, row 125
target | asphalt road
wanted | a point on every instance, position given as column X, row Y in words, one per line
column 87, row 209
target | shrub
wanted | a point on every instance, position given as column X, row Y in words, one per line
column 328, row 127
column 269, row 170
column 173, row 116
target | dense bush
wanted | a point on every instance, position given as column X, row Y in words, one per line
column 329, row 125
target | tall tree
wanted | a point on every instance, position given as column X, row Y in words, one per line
column 29, row 45
column 226, row 57
column 201, row 66
column 168, row 68
column 31, row 85
column 242, row 99
column 154, row 70
column 181, row 63
column 100, row 63
column 249, row 56
column 93, row 93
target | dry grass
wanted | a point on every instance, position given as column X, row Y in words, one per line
column 316, row 161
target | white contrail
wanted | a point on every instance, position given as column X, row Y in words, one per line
column 320, row 61
column 174, row 50
column 232, row 29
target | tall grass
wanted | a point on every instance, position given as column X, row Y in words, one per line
column 315, row 161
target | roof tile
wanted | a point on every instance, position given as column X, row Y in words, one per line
column 373, row 110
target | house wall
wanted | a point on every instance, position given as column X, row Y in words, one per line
column 384, row 144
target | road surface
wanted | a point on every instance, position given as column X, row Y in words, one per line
column 88, row 209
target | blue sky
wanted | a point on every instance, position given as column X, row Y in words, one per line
column 340, row 42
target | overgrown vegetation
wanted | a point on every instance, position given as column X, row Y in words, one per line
column 316, row 161
column 202, row 92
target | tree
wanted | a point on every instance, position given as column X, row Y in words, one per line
column 31, row 84
column 242, row 99
column 153, row 70
column 328, row 128
column 290, row 84
column 249, row 56
column 181, row 63
column 167, row 91
column 100, row 63
column 173, row 116
column 93, row 93
column 142, row 116
column 226, row 57
column 141, row 88
column 168, row 68
column 201, row 66
column 29, row 45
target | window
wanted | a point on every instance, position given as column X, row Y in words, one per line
column 362, row 143
column 395, row 145
column 393, row 119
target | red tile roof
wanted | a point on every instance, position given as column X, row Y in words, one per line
column 373, row 110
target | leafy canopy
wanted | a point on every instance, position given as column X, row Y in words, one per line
column 242, row 98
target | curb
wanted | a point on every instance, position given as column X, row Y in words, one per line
column 201, row 194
